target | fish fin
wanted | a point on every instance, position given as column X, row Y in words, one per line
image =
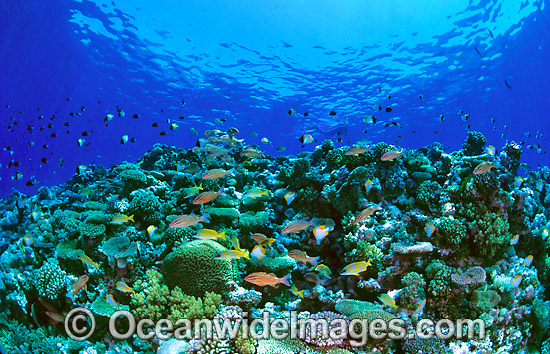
column 286, row 280
column 301, row 293
column 315, row 261
column 131, row 218
column 222, row 235
column 205, row 218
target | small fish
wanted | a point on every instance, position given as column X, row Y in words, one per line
column 26, row 241
column 491, row 150
column 258, row 252
column 36, row 215
column 391, row 155
column 294, row 290
column 256, row 193
column 216, row 173
column 545, row 234
column 302, row 256
column 356, row 150
column 81, row 283
column 527, row 262
column 516, row 281
column 320, row 232
column 540, row 186
column 291, row 112
column 289, row 197
column 253, row 134
column 262, row 239
column 151, row 231
column 324, row 270
column 125, row 288
column 281, row 148
column 518, row 181
column 207, row 197
column 478, row 52
column 189, row 220
column 429, row 228
column 507, row 84
column 312, row 278
column 209, row 234
column 514, row 240
column 121, row 219
column 368, row 185
column 17, row 177
column 420, row 309
column 491, row 33
column 124, row 139
column 81, row 142
column 296, row 226
column 388, row 109
column 20, row 203
column 193, row 131
column 88, row 261
column 388, row 301
column 192, row 168
column 363, row 215
column 306, row 139
column 263, row 279
column 356, row 268
column 108, row 117
column 174, row 126
column 266, row 141
column 251, row 152
column 111, row 300
column 232, row 131
column 483, row 167
column 369, row 120
column 233, row 254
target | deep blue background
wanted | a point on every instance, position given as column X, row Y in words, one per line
column 251, row 62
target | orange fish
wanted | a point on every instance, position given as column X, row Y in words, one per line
column 483, row 167
column 391, row 155
column 189, row 220
column 296, row 226
column 302, row 256
column 56, row 317
column 81, row 282
column 216, row 173
column 207, row 197
column 88, row 260
column 263, row 279
column 362, row 216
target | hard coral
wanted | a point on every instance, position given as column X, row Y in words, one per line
column 145, row 206
column 194, row 268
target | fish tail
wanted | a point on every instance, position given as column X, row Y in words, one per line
column 131, row 218
column 301, row 293
column 315, row 261
column 205, row 218
column 222, row 235
column 286, row 280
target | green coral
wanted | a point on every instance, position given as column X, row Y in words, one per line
column 222, row 216
column 69, row 250
column 195, row 268
column 487, row 183
column 484, row 301
column 349, row 307
column 451, row 231
column 293, row 346
column 493, row 235
column 440, row 279
column 334, row 157
column 89, row 230
column 427, row 194
column 132, row 175
column 50, row 280
column 414, row 285
column 251, row 221
column 278, row 265
column 365, row 251
column 432, row 345
column 145, row 206
column 173, row 235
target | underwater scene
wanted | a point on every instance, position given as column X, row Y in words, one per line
column 289, row 177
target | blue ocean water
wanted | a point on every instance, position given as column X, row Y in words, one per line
column 249, row 63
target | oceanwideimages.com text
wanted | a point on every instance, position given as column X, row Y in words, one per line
column 80, row 325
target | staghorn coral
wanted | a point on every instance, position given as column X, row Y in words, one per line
column 450, row 231
column 194, row 268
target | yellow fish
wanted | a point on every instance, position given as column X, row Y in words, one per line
column 151, row 230
column 256, row 193
column 355, row 268
column 289, row 197
column 121, row 219
column 208, row 234
column 388, row 301
column 111, row 300
column 324, row 270
column 296, row 292
column 192, row 191
column 368, row 185
column 429, row 228
column 125, row 288
column 233, row 254
column 88, row 261
column 26, row 242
